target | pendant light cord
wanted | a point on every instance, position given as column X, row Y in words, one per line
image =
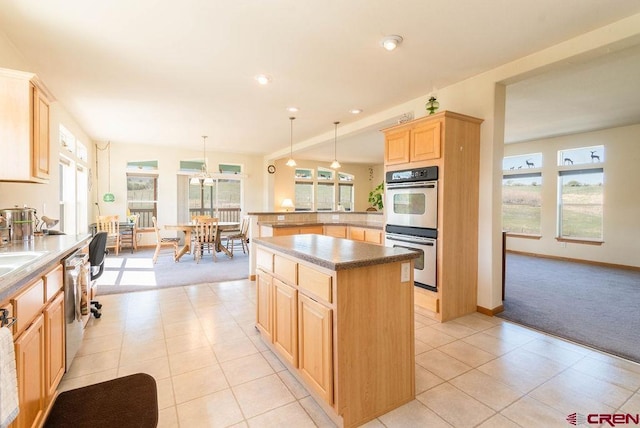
column 291, row 119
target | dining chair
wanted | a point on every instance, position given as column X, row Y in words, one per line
column 163, row 242
column 240, row 236
column 205, row 234
column 111, row 225
column 128, row 235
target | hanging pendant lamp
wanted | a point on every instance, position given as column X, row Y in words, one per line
column 335, row 164
column 203, row 177
column 109, row 197
column 291, row 162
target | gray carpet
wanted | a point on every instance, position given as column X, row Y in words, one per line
column 595, row 306
column 136, row 272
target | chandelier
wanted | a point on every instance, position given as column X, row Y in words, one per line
column 203, row 177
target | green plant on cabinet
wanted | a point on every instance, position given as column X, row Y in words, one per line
column 375, row 196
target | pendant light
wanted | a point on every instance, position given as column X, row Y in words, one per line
column 203, row 177
column 291, row 162
column 335, row 164
column 109, row 197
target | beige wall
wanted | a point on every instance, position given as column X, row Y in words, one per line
column 621, row 202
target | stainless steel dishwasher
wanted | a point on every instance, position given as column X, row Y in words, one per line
column 76, row 270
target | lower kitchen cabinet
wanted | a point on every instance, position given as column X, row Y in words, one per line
column 285, row 327
column 263, row 306
column 30, row 366
column 365, row 234
column 54, row 344
column 315, row 343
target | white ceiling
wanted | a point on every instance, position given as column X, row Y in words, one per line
column 165, row 73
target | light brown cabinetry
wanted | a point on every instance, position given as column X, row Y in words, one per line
column 337, row 231
column 364, row 234
column 450, row 141
column 39, row 344
column 414, row 143
column 24, row 127
column 321, row 327
column 295, row 230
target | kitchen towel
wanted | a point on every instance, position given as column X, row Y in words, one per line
column 9, row 404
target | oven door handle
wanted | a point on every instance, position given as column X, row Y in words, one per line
column 411, row 241
column 412, row 185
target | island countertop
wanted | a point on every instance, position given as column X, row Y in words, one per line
column 335, row 253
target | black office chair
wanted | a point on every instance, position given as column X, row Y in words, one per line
column 97, row 253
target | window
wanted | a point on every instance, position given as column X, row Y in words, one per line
column 304, row 196
column 325, row 197
column 580, row 203
column 67, row 192
column 74, row 184
column 325, row 174
column 306, row 174
column 521, row 203
column 67, row 140
column 514, row 163
column 142, row 197
column 345, row 196
column 148, row 165
column 581, row 156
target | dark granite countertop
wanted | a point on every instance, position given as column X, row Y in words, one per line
column 321, row 223
column 53, row 247
column 335, row 253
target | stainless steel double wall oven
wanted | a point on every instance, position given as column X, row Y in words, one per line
column 411, row 203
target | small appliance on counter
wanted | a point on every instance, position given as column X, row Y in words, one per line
column 19, row 223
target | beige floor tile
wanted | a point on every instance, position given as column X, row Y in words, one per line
column 513, row 375
column 198, row 383
column 258, row 343
column 498, row 421
column 467, row 353
column 168, row 418
column 290, row 415
column 454, row 406
column 182, row 327
column 421, row 347
column 234, row 349
column 632, row 405
column 245, row 369
column 223, row 333
column 529, row 412
column 474, row 322
column 425, row 379
column 413, row 414
column 144, row 350
column 513, row 333
column 98, row 328
column 441, row 364
column 489, row 343
column 94, row 345
column 262, row 395
column 293, row 385
column 142, row 335
column 533, row 363
column 165, row 394
column 273, row 361
column 486, row 389
column 186, row 342
column 376, row 423
column 453, row 329
column 432, row 337
column 158, row 367
column 609, row 372
column 69, row 383
column 215, row 410
column 192, row 359
column 582, row 383
column 94, row 363
column 318, row 415
column 565, row 399
column 551, row 350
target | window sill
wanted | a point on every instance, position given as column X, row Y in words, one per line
column 580, row 241
column 523, row 235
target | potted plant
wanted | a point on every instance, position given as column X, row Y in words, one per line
column 375, row 196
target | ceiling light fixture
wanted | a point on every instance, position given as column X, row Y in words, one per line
column 335, row 164
column 292, row 109
column 291, row 162
column 355, row 111
column 203, row 177
column 263, row 79
column 391, row 42
column 109, row 197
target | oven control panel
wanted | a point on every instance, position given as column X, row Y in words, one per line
column 417, row 174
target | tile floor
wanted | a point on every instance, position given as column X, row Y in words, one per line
column 212, row 370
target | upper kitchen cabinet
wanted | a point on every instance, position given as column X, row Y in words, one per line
column 24, row 127
column 414, row 141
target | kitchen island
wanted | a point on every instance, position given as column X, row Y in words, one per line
column 339, row 314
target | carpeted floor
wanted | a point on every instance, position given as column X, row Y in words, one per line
column 595, row 306
column 136, row 272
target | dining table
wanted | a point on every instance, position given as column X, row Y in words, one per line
column 187, row 228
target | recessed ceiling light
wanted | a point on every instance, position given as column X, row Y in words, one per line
column 355, row 111
column 263, row 79
column 292, row 109
column 391, row 42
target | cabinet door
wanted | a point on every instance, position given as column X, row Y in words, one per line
column 31, row 377
column 40, row 135
column 373, row 236
column 396, row 147
column 356, row 233
column 311, row 229
column 285, row 319
column 335, row 231
column 425, row 142
column 285, row 231
column 263, row 305
column 315, row 345
column 54, row 344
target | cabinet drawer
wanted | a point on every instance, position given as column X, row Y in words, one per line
column 311, row 229
column 264, row 260
column 427, row 299
column 336, row 231
column 52, row 283
column 28, row 304
column 285, row 269
column 315, row 282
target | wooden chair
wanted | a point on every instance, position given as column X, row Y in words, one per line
column 205, row 234
column 111, row 225
column 163, row 242
column 128, row 236
column 240, row 236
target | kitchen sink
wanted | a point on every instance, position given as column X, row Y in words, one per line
column 12, row 261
